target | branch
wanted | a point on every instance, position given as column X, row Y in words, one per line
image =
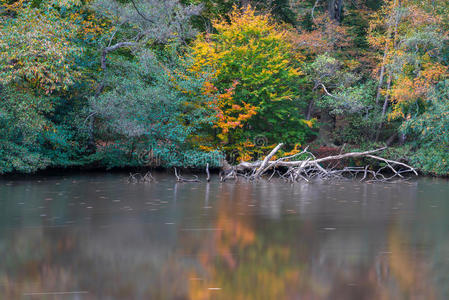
column 141, row 14
column 112, row 48
column 347, row 155
column 105, row 51
column 313, row 10
column 310, row 168
column 266, row 160
column 327, row 93
column 179, row 178
column 388, row 161
column 207, row 172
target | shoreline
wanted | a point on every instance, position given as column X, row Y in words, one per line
column 55, row 172
column 319, row 152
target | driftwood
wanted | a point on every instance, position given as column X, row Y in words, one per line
column 139, row 178
column 302, row 166
column 207, row 172
column 179, row 178
column 263, row 167
column 311, row 168
column 227, row 171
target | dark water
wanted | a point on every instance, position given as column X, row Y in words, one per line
column 96, row 237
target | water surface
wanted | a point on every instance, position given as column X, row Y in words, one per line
column 97, row 237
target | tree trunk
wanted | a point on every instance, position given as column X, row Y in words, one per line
column 381, row 76
column 402, row 138
column 335, row 10
column 391, row 34
column 91, row 145
column 310, row 109
column 326, row 128
column 244, row 3
column 384, row 110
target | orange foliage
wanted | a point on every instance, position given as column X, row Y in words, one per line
column 412, row 79
column 326, row 37
column 407, row 90
column 253, row 69
column 229, row 114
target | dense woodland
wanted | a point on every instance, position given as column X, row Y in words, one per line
column 128, row 83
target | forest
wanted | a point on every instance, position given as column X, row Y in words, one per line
column 185, row 83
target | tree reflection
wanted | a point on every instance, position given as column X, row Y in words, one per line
column 240, row 261
column 240, row 241
column 250, row 258
column 409, row 270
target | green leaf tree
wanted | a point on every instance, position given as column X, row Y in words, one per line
column 252, row 56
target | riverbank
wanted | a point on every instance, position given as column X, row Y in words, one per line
column 425, row 165
column 349, row 163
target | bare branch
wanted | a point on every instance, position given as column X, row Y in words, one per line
column 313, row 10
column 207, row 172
column 326, row 91
column 311, row 168
column 266, row 160
column 179, row 178
column 109, row 49
column 140, row 13
column 394, row 162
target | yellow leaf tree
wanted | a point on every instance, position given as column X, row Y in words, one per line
column 410, row 36
column 37, row 48
column 255, row 79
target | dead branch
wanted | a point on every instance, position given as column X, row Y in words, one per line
column 148, row 177
column 388, row 161
column 266, row 160
column 207, row 172
column 139, row 178
column 310, row 168
column 179, row 178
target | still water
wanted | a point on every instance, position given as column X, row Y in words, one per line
column 97, row 237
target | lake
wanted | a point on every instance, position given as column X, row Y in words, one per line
column 95, row 236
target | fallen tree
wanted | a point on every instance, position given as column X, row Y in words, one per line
column 305, row 166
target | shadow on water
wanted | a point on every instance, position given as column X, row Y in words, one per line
column 96, row 237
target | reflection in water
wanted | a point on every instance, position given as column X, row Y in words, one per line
column 95, row 237
column 238, row 262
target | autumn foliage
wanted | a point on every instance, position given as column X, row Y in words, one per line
column 410, row 38
column 226, row 78
column 255, row 77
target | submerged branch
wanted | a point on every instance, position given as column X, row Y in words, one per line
column 179, row 178
column 139, row 178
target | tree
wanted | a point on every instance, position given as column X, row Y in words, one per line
column 217, row 9
column 335, row 10
column 430, row 132
column 412, row 40
column 151, row 114
column 43, row 81
column 255, row 66
column 137, row 24
column 340, row 93
column 37, row 49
